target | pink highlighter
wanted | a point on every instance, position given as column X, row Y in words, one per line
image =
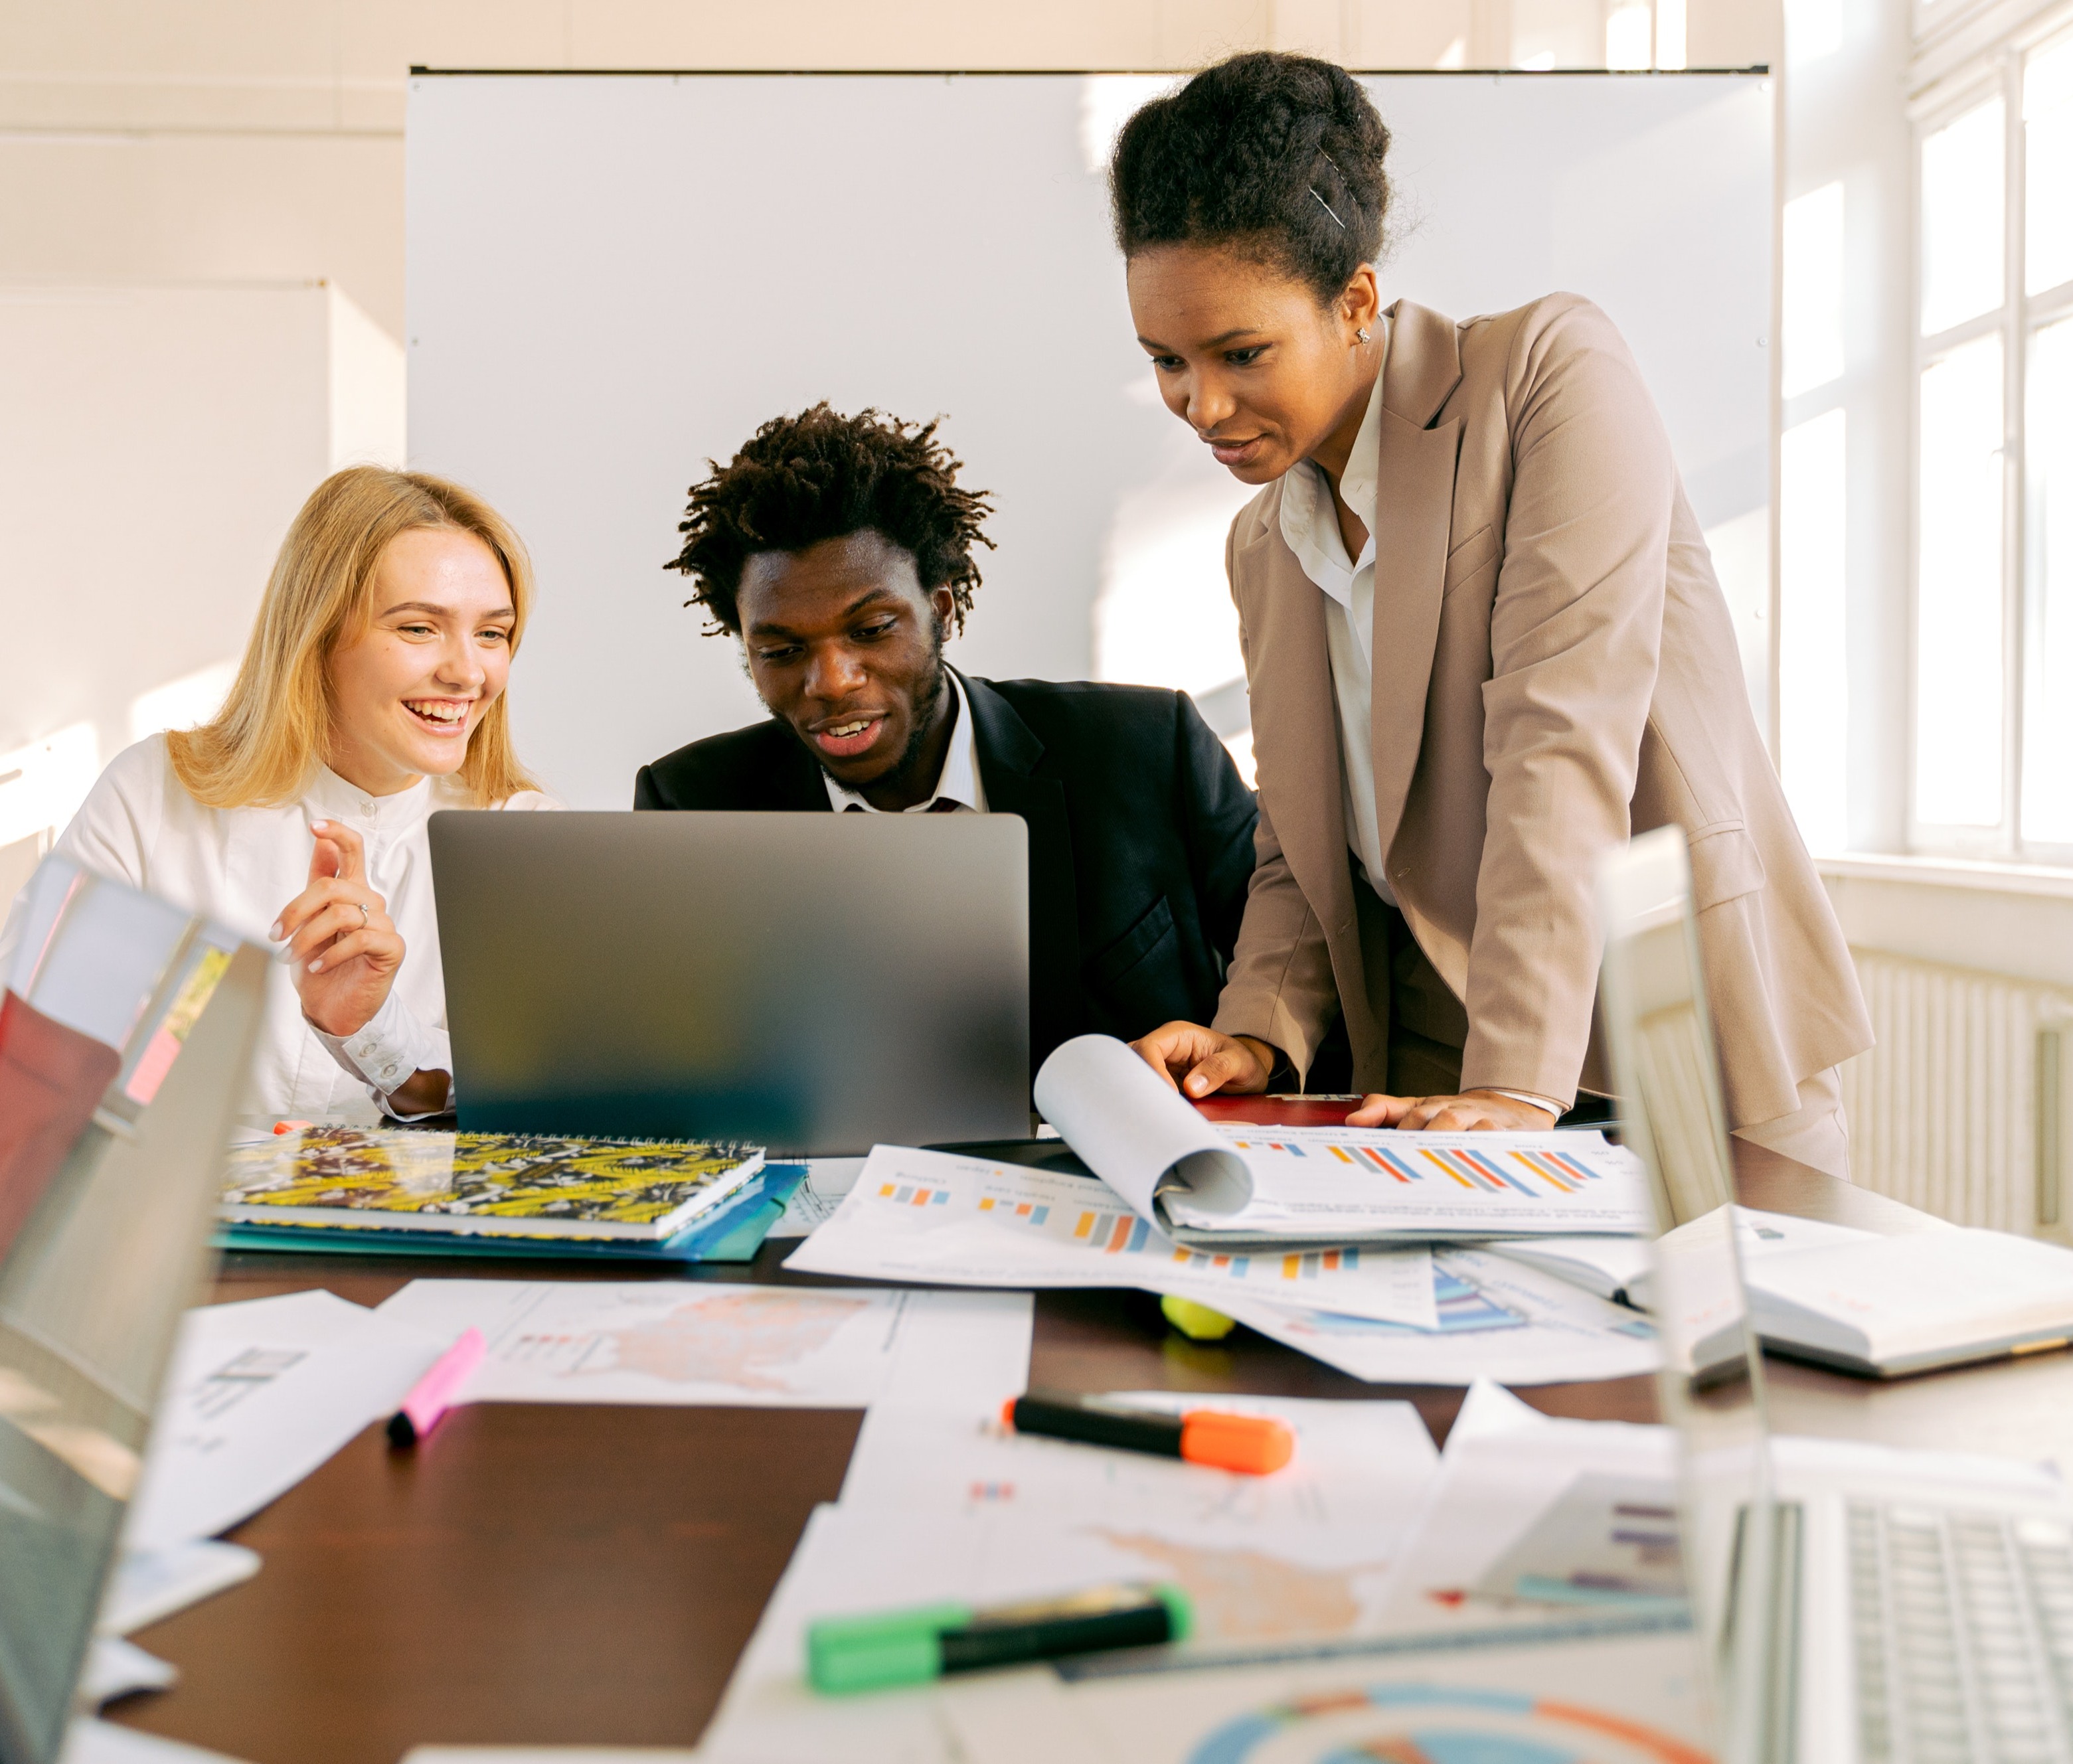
column 433, row 1394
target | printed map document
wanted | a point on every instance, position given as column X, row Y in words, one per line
column 261, row 1393
column 1267, row 1575
column 920, row 1215
column 1498, row 1320
column 700, row 1341
column 1588, row 1690
column 1241, row 1186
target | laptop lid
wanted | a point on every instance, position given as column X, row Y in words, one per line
column 814, row 983
column 126, row 1028
column 1739, row 1558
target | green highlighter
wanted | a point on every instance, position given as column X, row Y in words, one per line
column 916, row 1646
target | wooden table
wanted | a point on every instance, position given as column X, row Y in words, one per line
column 546, row 1574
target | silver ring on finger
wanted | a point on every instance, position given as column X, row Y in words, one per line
column 364, row 918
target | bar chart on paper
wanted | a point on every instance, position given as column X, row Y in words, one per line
column 932, row 1216
column 1361, row 1185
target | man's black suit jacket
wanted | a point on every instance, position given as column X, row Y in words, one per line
column 1140, row 839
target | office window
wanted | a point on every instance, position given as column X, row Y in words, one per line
column 2047, row 779
column 1813, row 335
column 1992, row 690
column 1961, row 218
column 1813, row 688
column 2047, row 127
column 1958, row 591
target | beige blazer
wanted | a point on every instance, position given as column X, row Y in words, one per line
column 1555, row 670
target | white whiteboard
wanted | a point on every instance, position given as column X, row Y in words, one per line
column 614, row 277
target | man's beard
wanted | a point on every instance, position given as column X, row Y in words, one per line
column 925, row 699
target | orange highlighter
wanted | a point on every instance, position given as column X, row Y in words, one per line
column 1252, row 1445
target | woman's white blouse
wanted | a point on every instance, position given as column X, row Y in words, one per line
column 239, row 866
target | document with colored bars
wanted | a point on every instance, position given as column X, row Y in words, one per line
column 1363, row 1185
column 933, row 1216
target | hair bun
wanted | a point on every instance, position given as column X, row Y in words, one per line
column 1279, row 155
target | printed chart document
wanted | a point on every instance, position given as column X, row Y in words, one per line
column 920, row 1215
column 704, row 1341
column 1239, row 1185
column 260, row 1394
column 1498, row 1320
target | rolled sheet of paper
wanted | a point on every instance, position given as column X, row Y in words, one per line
column 1136, row 1131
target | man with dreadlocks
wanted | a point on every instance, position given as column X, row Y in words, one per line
column 838, row 551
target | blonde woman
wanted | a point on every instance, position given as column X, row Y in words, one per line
column 371, row 695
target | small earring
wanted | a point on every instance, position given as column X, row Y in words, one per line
column 1361, row 335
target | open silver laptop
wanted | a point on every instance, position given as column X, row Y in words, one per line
column 814, row 983
column 1858, row 1606
column 127, row 1029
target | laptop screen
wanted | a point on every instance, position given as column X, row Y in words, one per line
column 125, row 1035
column 1652, row 1006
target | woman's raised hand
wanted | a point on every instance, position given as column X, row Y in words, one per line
column 343, row 950
column 1197, row 1061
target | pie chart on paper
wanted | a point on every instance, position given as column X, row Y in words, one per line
column 1411, row 1723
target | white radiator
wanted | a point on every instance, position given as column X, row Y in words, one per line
column 1960, row 1107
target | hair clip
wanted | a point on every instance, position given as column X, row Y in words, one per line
column 1329, row 209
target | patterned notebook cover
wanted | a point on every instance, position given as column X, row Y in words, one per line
column 501, row 1184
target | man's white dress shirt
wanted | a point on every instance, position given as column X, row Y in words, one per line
column 239, row 866
column 1310, row 527
column 956, row 785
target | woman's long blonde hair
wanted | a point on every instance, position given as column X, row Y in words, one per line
column 275, row 726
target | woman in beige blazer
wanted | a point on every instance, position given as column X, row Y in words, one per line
column 1484, row 643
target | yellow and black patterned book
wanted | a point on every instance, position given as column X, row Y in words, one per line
column 482, row 1185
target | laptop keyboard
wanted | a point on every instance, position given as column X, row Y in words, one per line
column 1963, row 1626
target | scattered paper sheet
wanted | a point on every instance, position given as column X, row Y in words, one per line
column 1530, row 1514
column 1632, row 1698
column 1611, row 1266
column 916, row 1215
column 947, row 1503
column 1498, row 1320
column 548, row 1754
column 148, row 1585
column 90, row 1742
column 261, row 1393
column 1367, row 1463
column 1259, row 1575
column 814, row 1201
column 706, row 1342
column 116, row 1668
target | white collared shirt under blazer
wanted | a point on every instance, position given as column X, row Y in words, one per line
column 1554, row 669
column 239, row 866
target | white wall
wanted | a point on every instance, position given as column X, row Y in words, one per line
column 614, row 279
column 155, row 443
